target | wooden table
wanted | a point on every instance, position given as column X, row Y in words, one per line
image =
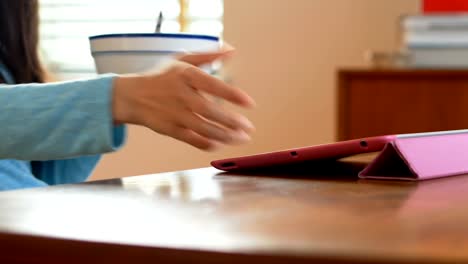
column 313, row 213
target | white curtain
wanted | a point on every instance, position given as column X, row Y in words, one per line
column 67, row 24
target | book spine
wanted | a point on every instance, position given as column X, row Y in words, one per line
column 435, row 22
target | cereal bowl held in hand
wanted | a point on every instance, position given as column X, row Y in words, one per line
column 131, row 53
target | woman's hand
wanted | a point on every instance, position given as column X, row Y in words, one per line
column 172, row 102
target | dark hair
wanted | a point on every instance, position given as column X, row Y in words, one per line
column 19, row 40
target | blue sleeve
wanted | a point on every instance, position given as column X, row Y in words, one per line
column 65, row 171
column 58, row 120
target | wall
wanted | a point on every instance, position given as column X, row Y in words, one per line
column 288, row 53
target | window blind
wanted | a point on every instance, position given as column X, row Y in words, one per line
column 67, row 24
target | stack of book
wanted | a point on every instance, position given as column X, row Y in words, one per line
column 436, row 41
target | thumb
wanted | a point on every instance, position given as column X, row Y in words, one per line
column 198, row 59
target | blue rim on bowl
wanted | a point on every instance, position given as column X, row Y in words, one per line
column 155, row 35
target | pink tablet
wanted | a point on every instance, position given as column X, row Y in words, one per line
column 328, row 151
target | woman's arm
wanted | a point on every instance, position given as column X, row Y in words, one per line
column 71, row 119
column 58, row 120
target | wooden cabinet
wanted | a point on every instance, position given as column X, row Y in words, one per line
column 379, row 102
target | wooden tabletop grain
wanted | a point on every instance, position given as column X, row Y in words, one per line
column 312, row 213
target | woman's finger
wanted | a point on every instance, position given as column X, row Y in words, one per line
column 212, row 131
column 202, row 81
column 198, row 59
column 215, row 113
column 190, row 137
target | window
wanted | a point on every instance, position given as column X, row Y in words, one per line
column 67, row 24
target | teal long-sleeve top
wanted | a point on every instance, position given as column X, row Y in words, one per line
column 54, row 133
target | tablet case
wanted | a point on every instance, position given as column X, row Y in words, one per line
column 415, row 157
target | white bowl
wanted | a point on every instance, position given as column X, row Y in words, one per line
column 131, row 53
